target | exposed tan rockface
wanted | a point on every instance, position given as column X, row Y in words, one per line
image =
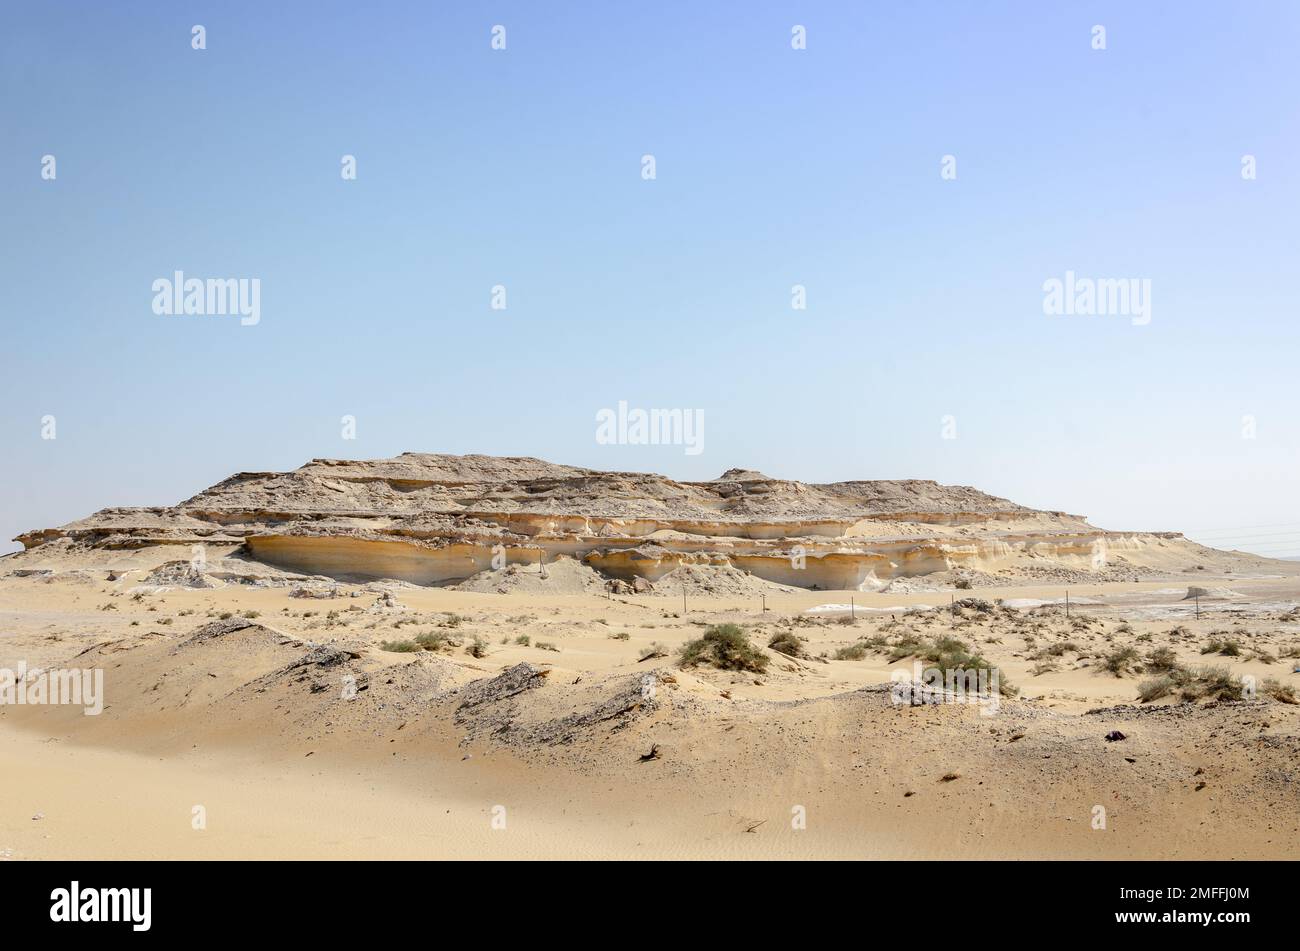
column 433, row 519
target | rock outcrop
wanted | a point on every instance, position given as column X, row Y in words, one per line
column 436, row 519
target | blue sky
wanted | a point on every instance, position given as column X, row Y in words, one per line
column 775, row 167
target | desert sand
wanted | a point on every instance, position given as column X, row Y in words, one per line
column 542, row 709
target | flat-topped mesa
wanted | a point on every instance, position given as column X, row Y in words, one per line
column 433, row 518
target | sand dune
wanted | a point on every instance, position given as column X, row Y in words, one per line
column 630, row 666
column 250, row 719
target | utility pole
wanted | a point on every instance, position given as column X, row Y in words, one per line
column 1067, row 602
column 853, row 611
column 683, row 599
column 1198, row 607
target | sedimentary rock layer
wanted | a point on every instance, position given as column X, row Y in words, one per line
column 432, row 519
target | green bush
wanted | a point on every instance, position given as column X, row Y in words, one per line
column 725, row 646
column 1209, row 683
column 1226, row 647
column 1156, row 687
column 1202, row 683
column 786, row 642
column 1162, row 659
column 907, row 645
column 949, row 653
column 434, row 641
column 1119, row 661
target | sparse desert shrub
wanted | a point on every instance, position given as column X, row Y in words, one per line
column 624, row 635
column 1210, row 683
column 951, row 654
column 963, row 584
column 546, row 646
column 1156, row 687
column 653, row 651
column 788, row 643
column 1043, row 667
column 399, row 647
column 725, row 646
column 1120, row 660
column 1223, row 646
column 944, row 643
column 1283, row 693
column 226, row 615
column 1162, row 659
column 523, row 640
column 477, row 647
column 905, row 646
column 852, row 652
column 252, row 614
column 452, row 620
column 1059, row 649
column 433, row 641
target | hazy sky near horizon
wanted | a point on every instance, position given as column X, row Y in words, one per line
column 774, row 167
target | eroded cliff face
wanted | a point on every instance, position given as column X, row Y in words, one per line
column 433, row 519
